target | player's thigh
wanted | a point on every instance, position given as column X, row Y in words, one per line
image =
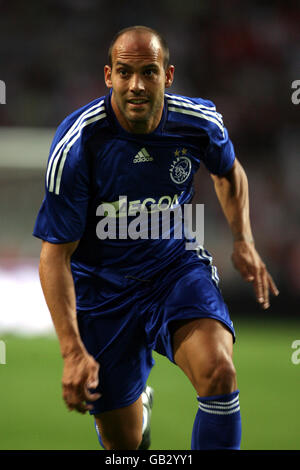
column 203, row 348
column 121, row 428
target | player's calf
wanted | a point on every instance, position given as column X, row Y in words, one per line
column 121, row 429
column 123, row 442
column 203, row 350
column 119, row 440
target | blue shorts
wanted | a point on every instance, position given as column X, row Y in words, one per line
column 131, row 324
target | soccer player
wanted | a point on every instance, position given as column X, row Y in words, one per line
column 113, row 300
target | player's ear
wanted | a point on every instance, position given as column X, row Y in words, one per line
column 107, row 76
column 169, row 75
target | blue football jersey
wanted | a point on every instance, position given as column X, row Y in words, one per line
column 94, row 164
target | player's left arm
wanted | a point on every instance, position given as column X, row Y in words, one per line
column 233, row 195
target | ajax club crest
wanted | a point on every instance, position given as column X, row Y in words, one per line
column 181, row 167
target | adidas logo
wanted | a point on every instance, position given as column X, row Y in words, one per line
column 142, row 156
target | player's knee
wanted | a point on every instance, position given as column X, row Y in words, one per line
column 123, row 441
column 222, row 378
column 217, row 377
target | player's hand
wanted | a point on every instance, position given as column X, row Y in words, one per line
column 248, row 262
column 80, row 375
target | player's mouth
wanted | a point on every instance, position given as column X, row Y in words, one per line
column 137, row 102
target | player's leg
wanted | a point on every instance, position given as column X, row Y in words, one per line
column 201, row 344
column 202, row 348
column 121, row 429
column 125, row 364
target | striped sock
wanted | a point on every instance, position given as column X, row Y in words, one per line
column 218, row 423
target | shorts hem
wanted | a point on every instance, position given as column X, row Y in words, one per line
column 194, row 317
column 116, row 406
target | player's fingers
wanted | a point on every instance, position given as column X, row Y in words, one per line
column 92, row 383
column 75, row 400
column 261, row 287
column 265, row 285
column 93, row 379
column 79, row 407
column 89, row 393
column 265, row 281
column 249, row 277
column 69, row 397
column 272, row 285
column 73, row 397
column 91, row 396
column 258, row 287
column 84, row 393
column 75, row 405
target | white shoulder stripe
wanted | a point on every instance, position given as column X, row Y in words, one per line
column 65, row 153
column 55, row 158
column 199, row 115
column 89, row 112
column 61, row 157
column 199, row 107
column 179, row 98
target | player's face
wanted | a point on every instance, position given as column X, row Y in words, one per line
column 138, row 79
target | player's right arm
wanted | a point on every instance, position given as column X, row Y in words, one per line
column 80, row 369
column 60, row 224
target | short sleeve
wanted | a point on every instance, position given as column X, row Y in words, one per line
column 62, row 216
column 219, row 156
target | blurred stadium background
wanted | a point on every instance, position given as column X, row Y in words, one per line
column 244, row 58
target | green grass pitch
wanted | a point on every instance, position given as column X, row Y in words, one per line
column 33, row 416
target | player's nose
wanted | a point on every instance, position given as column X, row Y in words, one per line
column 137, row 84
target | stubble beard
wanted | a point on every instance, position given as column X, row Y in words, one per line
column 154, row 113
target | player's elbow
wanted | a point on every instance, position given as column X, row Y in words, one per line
column 59, row 253
column 234, row 183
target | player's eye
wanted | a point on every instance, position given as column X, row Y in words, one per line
column 123, row 73
column 149, row 72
